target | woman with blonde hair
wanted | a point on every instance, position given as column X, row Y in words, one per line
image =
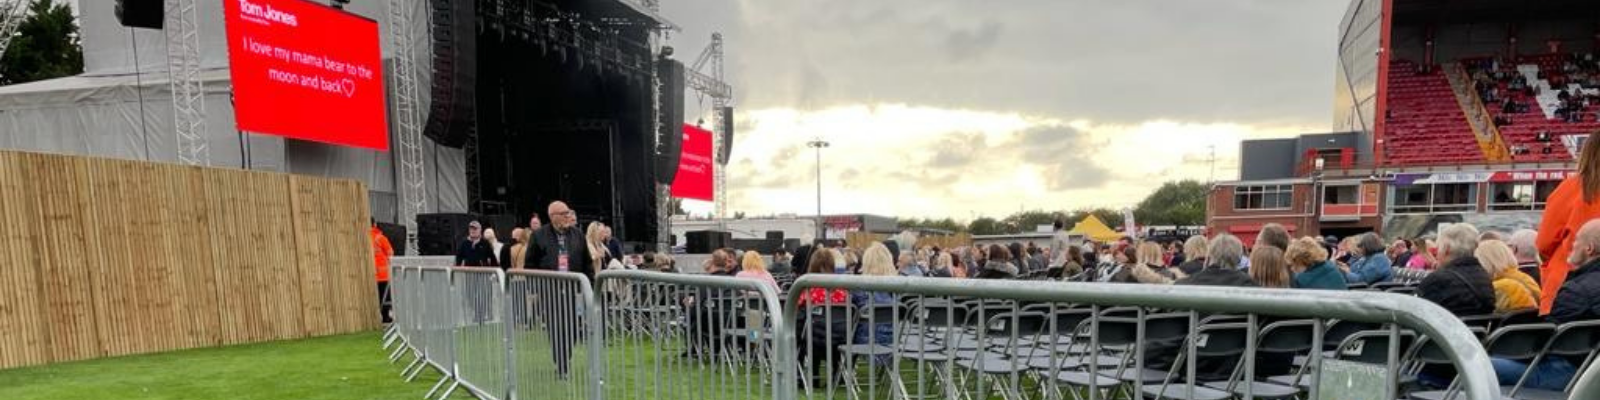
column 1513, row 290
column 1151, row 266
column 877, row 261
column 1311, row 266
column 756, row 268
column 593, row 238
column 1268, row 267
column 519, row 252
column 1195, row 249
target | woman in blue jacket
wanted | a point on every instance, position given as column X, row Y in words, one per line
column 1371, row 264
column 1312, row 268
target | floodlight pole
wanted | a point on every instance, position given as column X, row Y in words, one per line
column 819, row 144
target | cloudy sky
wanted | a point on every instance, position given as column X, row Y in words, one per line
column 956, row 108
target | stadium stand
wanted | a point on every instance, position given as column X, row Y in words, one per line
column 1533, row 86
column 1425, row 126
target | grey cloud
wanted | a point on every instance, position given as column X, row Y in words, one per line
column 1118, row 62
column 955, row 149
column 766, row 177
column 849, row 174
column 1066, row 155
column 972, row 44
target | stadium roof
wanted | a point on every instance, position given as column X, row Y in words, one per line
column 1463, row 11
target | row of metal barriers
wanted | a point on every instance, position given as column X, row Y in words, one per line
column 658, row 336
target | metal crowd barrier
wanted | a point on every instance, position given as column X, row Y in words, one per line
column 499, row 335
column 679, row 336
column 912, row 338
column 554, row 340
column 656, row 336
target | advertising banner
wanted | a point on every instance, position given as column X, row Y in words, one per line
column 695, row 170
column 1535, row 175
column 306, row 71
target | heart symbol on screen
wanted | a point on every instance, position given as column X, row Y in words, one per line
column 349, row 87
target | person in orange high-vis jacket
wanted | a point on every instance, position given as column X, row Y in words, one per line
column 1575, row 201
column 381, row 251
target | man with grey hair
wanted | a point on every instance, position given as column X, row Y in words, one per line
column 1222, row 265
column 1523, row 245
column 1461, row 285
column 1579, row 297
column 1578, row 300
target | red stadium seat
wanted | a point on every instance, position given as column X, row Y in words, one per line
column 1425, row 125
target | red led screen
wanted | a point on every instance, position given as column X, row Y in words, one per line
column 694, row 166
column 306, row 71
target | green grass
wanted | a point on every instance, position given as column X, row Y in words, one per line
column 348, row 367
column 354, row 367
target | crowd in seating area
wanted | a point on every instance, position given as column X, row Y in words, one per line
column 1535, row 99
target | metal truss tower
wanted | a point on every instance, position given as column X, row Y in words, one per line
column 707, row 78
column 408, row 117
column 188, row 91
column 12, row 12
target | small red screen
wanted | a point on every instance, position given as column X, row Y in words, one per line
column 694, row 166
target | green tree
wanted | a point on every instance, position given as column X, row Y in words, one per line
column 1028, row 221
column 946, row 224
column 1174, row 203
column 46, row 46
column 988, row 226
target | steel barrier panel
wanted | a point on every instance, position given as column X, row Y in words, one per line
column 1002, row 371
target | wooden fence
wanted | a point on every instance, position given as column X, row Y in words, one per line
column 102, row 257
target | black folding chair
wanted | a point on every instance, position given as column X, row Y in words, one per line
column 990, row 364
column 1519, row 317
column 1292, row 337
column 1163, row 337
column 1571, row 340
column 871, row 318
column 1114, row 329
column 1517, row 342
column 822, row 329
column 1220, row 341
column 1369, row 347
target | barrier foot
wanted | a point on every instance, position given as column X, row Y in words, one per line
column 390, row 336
column 452, row 389
column 437, row 386
column 397, row 354
column 418, row 365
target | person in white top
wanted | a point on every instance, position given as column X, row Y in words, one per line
column 1059, row 244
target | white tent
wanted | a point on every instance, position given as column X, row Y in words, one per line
column 122, row 109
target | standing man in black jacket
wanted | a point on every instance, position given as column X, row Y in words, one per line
column 560, row 246
column 1461, row 285
column 474, row 251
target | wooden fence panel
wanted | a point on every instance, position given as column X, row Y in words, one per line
column 112, row 257
column 189, row 252
column 60, row 195
column 22, row 325
column 310, row 223
column 115, row 296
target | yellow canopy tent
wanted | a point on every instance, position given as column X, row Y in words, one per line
column 1096, row 230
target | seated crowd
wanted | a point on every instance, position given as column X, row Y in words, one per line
column 1462, row 270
